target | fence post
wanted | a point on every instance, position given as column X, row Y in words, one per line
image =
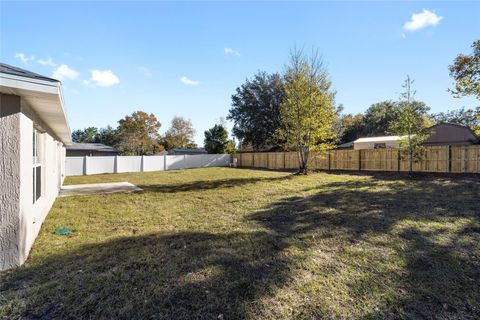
column 284, row 159
column 359, row 160
column 268, row 160
column 165, row 162
column 449, row 158
column 85, row 165
column 329, row 156
column 398, row 160
column 115, row 164
column 142, row 164
column 253, row 159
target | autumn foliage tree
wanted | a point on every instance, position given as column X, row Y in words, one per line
column 138, row 134
column 465, row 70
column 308, row 110
column 180, row 134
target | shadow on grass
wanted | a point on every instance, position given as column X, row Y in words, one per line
column 202, row 275
column 208, row 184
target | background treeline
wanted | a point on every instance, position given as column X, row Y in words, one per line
column 138, row 134
column 296, row 110
column 256, row 115
column 256, row 107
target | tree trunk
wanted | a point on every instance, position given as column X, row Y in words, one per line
column 303, row 161
column 411, row 162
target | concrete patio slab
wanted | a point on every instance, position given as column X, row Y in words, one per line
column 97, row 188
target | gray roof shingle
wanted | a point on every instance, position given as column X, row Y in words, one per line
column 8, row 69
column 91, row 147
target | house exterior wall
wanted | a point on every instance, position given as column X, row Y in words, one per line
column 371, row 145
column 9, row 180
column 19, row 215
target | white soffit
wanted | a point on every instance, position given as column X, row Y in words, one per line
column 44, row 97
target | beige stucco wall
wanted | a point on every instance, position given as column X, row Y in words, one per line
column 9, row 180
column 23, row 217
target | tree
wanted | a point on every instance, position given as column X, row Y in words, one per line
column 353, row 127
column 86, row 135
column 108, row 136
column 307, row 112
column 216, row 139
column 256, row 110
column 465, row 70
column 465, row 117
column 409, row 124
column 138, row 134
column 379, row 116
column 180, row 134
column 231, row 148
column 477, row 131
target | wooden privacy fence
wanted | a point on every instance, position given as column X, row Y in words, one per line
column 456, row 159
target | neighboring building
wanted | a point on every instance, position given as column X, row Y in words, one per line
column 377, row 142
column 451, row 134
column 178, row 151
column 441, row 134
column 33, row 134
column 346, row 145
column 90, row 149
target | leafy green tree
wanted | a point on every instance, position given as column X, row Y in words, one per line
column 410, row 124
column 353, row 127
column 138, row 134
column 465, row 70
column 216, row 139
column 379, row 116
column 308, row 110
column 256, row 110
column 87, row 135
column 462, row 116
column 180, row 134
column 108, row 136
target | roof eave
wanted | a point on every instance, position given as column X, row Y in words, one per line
column 41, row 89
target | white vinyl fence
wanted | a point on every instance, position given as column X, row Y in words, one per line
column 78, row 166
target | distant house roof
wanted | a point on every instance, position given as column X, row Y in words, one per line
column 379, row 139
column 187, row 151
column 92, row 147
column 345, row 145
column 451, row 133
column 8, row 69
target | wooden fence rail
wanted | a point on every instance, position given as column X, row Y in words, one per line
column 455, row 159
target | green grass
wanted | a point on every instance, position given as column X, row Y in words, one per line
column 234, row 244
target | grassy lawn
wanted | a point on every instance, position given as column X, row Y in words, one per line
column 224, row 243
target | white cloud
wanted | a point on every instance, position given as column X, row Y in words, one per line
column 24, row 58
column 145, row 71
column 188, row 81
column 231, row 51
column 64, row 72
column 103, row 78
column 422, row 20
column 47, row 62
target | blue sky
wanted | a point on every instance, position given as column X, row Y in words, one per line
column 187, row 58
